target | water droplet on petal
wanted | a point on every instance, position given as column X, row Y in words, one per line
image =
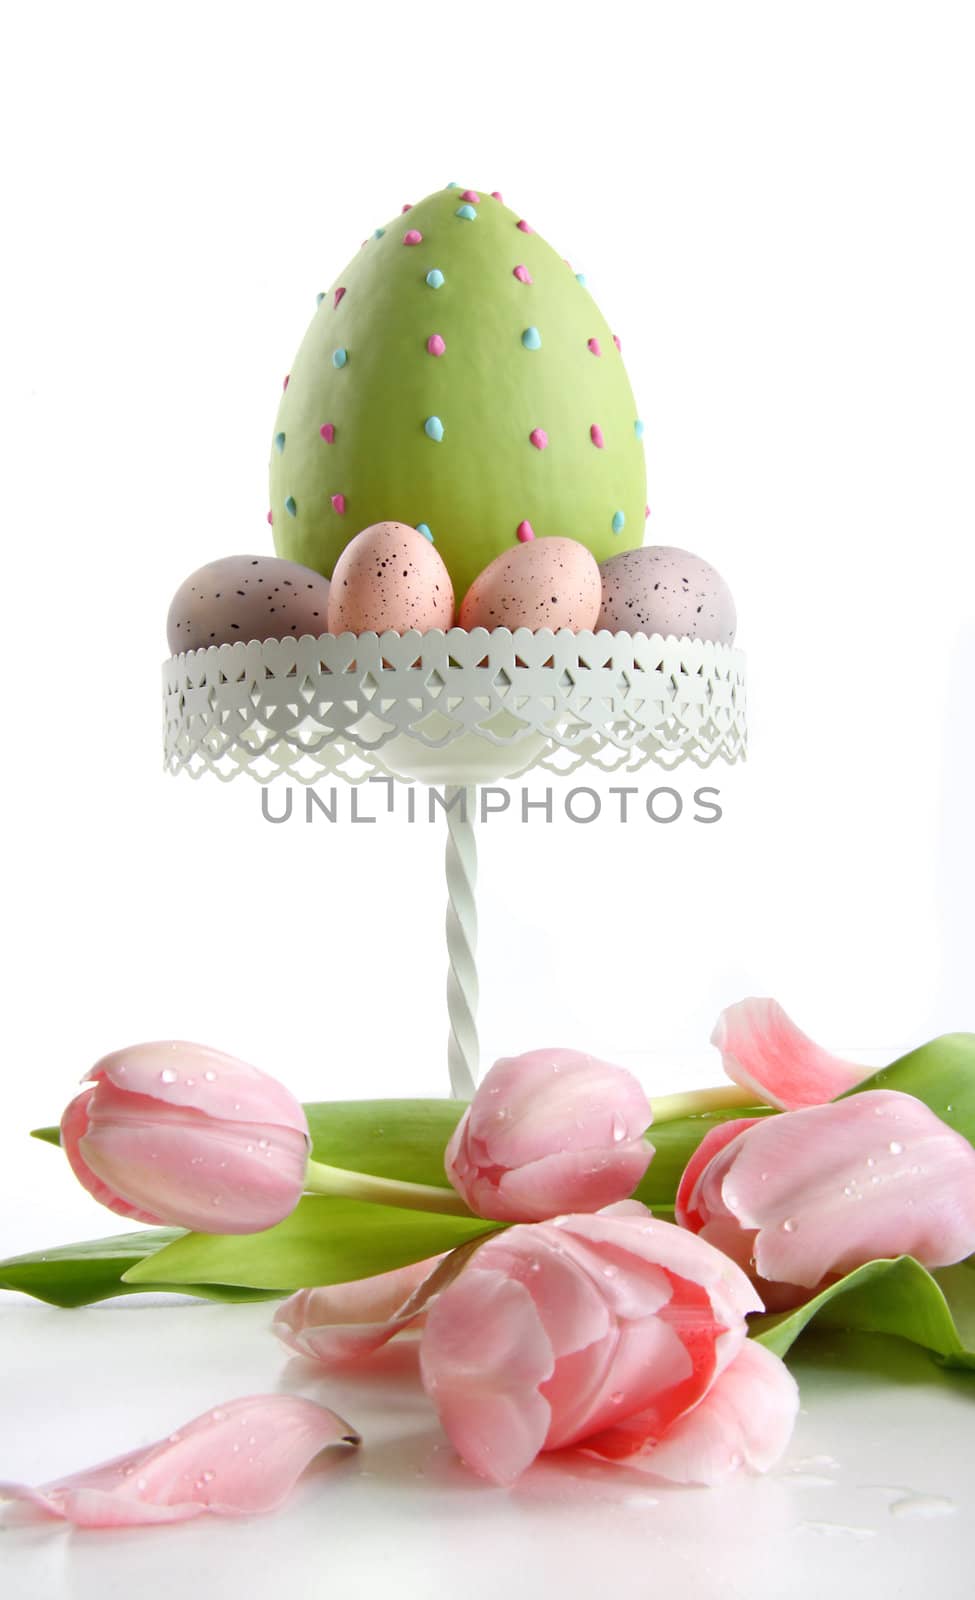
column 140, row 1483
column 871, row 1162
column 263, row 1144
column 849, row 1188
column 219, row 1416
column 618, row 1129
column 207, row 1476
column 616, row 1398
column 174, row 1438
column 895, row 1147
column 167, row 1075
column 609, row 1272
column 789, row 1225
column 191, row 1083
column 210, row 1075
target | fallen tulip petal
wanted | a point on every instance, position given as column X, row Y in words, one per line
column 762, row 1049
column 346, row 1321
column 241, row 1458
column 745, row 1420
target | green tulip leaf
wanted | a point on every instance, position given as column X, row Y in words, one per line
column 47, row 1135
column 78, row 1274
column 402, row 1139
column 941, row 1073
column 936, row 1310
column 325, row 1240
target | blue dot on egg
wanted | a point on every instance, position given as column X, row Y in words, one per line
column 379, row 233
column 435, row 278
column 619, row 521
column 421, row 527
column 339, row 357
column 279, row 443
column 466, row 213
column 433, row 428
column 581, row 278
column 638, row 428
column 531, row 339
column 291, row 506
column 319, row 297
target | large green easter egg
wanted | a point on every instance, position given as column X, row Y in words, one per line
column 457, row 376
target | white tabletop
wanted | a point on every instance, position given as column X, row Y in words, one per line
column 873, row 1499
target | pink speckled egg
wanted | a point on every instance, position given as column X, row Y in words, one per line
column 545, row 583
column 390, row 576
column 247, row 597
column 660, row 589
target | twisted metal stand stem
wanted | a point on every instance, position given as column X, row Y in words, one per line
column 461, row 865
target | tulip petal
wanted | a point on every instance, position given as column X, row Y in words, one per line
column 699, row 1187
column 74, row 1125
column 576, row 1180
column 746, row 1419
column 240, row 1458
column 201, row 1079
column 483, row 1358
column 833, row 1186
column 347, row 1321
column 762, row 1049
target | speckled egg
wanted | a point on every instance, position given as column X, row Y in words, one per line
column 390, row 576
column 660, row 589
column 543, row 583
column 247, row 597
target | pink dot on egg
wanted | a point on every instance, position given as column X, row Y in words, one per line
column 617, row 344
column 525, row 227
column 270, row 518
column 435, row 345
column 593, row 346
column 522, row 274
column 525, row 533
column 646, row 513
column 327, row 431
column 413, row 236
column 339, row 295
column 338, row 504
column 596, row 435
column 496, row 195
column 472, row 197
column 539, row 438
column 405, row 209
column 286, row 381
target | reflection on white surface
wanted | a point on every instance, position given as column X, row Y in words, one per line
column 862, row 1504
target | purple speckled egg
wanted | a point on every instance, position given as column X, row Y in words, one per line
column 544, row 583
column 660, row 589
column 390, row 576
column 247, row 597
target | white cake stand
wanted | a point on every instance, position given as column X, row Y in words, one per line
column 452, row 709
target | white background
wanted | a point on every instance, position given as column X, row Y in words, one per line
column 772, row 204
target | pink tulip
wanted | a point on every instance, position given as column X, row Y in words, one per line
column 181, row 1134
column 242, row 1458
column 762, row 1049
column 810, row 1195
column 607, row 1334
column 550, row 1131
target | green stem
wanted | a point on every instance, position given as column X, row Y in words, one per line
column 670, row 1107
column 322, row 1179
